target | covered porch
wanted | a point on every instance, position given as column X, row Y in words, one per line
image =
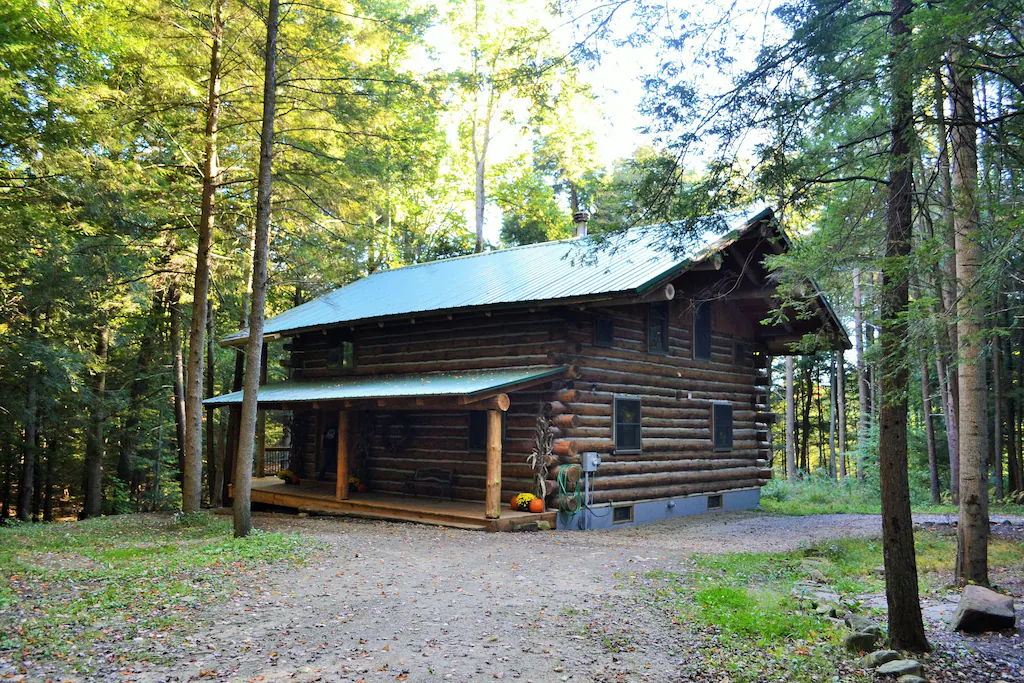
column 318, row 496
column 355, row 403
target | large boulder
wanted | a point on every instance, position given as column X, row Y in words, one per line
column 982, row 609
column 901, row 667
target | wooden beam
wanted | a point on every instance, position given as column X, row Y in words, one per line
column 341, row 486
column 492, row 508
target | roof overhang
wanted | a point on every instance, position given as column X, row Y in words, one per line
column 469, row 390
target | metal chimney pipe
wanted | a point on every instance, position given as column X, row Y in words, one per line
column 581, row 218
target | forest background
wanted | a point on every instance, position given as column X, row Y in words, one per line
column 405, row 132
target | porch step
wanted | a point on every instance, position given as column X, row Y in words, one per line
column 453, row 521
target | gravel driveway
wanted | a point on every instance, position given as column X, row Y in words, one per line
column 390, row 602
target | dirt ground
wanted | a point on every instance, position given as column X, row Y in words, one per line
column 391, row 602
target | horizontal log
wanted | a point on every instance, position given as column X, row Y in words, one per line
column 566, row 421
column 649, row 479
column 625, row 495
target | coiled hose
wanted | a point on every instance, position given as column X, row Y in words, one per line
column 570, row 498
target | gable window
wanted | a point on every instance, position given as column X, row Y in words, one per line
column 342, row 357
column 657, row 327
column 702, row 331
column 604, row 330
column 721, row 426
column 627, row 425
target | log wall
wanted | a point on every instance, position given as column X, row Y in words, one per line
column 676, row 392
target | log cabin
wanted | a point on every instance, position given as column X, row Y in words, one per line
column 622, row 382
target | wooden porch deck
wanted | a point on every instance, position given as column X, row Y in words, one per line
column 318, row 496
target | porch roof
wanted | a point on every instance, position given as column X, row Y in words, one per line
column 467, row 386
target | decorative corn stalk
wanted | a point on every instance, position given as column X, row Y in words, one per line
column 541, row 455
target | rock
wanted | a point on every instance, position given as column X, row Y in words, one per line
column 982, row 609
column 862, row 624
column 857, row 641
column 827, row 610
column 911, row 678
column 544, row 525
column 877, row 659
column 816, row 576
column 900, row 667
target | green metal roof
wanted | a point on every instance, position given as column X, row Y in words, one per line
column 468, row 384
column 562, row 271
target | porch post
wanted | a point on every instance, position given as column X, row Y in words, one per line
column 341, row 487
column 492, row 509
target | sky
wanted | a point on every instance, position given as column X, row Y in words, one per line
column 616, row 77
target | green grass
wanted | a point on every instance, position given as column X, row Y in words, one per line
column 65, row 588
column 756, row 629
column 818, row 496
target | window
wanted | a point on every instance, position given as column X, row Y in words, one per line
column 604, row 330
column 342, row 357
column 622, row 514
column 715, row 502
column 740, row 354
column 627, row 425
column 721, row 426
column 477, row 430
column 702, row 331
column 657, row 327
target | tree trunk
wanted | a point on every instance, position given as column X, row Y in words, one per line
column 841, row 410
column 997, row 415
column 929, row 428
column 833, row 468
column 95, row 439
column 5, row 505
column 51, row 459
column 214, row 456
column 972, row 530
column 862, row 382
column 28, row 463
column 129, row 446
column 790, row 422
column 254, row 344
column 235, row 411
column 805, row 420
column 906, row 626
column 192, row 484
column 177, row 375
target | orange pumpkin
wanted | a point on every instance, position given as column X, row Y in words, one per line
column 537, row 505
column 512, row 503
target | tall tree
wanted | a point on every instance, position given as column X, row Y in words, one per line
column 791, row 471
column 257, row 309
column 906, row 625
column 862, row 378
column 972, row 530
column 192, row 480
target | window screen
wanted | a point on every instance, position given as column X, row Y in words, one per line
column 721, row 426
column 627, row 424
column 657, row 327
column 702, row 331
column 477, row 430
column 604, row 331
column 714, row 502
